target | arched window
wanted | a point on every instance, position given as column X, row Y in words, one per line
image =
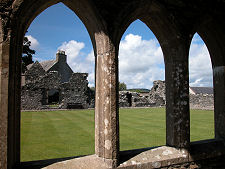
column 201, row 91
column 142, row 102
column 58, row 79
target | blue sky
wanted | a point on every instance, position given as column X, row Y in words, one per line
column 59, row 28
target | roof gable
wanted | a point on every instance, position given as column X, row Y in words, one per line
column 47, row 64
column 202, row 90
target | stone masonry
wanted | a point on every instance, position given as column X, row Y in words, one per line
column 41, row 84
column 157, row 97
column 174, row 23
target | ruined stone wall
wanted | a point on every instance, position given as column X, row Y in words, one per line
column 201, row 101
column 34, row 74
column 34, row 92
column 123, row 99
column 157, row 97
column 75, row 92
column 157, row 94
column 31, row 99
column 133, row 99
column 72, row 94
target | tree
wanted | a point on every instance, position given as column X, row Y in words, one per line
column 122, row 86
column 27, row 54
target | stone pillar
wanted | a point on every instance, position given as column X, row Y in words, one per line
column 177, row 102
column 4, row 78
column 106, row 101
column 10, row 84
column 219, row 101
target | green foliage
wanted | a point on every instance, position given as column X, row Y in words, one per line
column 122, row 86
column 57, row 134
column 139, row 90
column 27, row 54
column 135, row 90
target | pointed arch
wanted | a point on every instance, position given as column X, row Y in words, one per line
column 212, row 33
column 22, row 15
column 201, row 80
column 141, row 65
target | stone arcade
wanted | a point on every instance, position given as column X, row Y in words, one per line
column 53, row 81
column 174, row 22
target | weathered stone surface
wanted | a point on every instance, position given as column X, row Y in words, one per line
column 157, row 97
column 202, row 101
column 106, row 102
column 173, row 22
column 219, row 107
column 4, row 75
column 74, row 94
column 133, row 99
column 40, row 82
column 177, row 97
column 157, row 94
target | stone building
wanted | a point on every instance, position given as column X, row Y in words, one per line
column 53, row 82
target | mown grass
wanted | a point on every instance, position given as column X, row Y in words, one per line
column 56, row 134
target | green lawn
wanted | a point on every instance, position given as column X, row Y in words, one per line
column 56, row 134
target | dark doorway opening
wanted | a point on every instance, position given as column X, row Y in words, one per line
column 53, row 96
column 129, row 96
column 75, row 106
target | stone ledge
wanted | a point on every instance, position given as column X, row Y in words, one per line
column 157, row 157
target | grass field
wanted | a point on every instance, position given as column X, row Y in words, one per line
column 56, row 134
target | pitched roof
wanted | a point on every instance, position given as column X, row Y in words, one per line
column 46, row 65
column 202, row 90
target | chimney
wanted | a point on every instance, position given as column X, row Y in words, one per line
column 61, row 56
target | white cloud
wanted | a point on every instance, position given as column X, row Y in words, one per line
column 72, row 49
column 34, row 42
column 78, row 61
column 200, row 68
column 140, row 62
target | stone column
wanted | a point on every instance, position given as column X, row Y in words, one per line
column 219, row 101
column 177, row 100
column 106, row 100
column 4, row 78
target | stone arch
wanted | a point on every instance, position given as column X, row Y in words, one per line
column 112, row 18
column 159, row 20
column 200, row 65
column 211, row 31
column 131, row 57
column 21, row 15
column 175, row 46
